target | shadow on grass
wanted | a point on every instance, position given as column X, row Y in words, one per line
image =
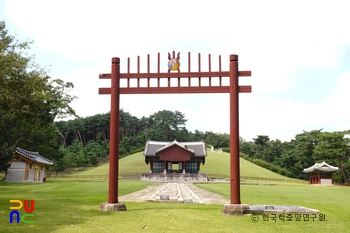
column 146, row 206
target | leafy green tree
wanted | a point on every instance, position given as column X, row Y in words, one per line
column 60, row 163
column 30, row 101
column 58, row 99
column 197, row 136
column 221, row 140
column 128, row 124
column 95, row 148
column 91, row 151
column 68, row 160
column 209, row 137
column 93, row 160
column 261, row 151
column 332, row 148
column 275, row 149
column 165, row 125
column 76, row 151
column 125, row 144
column 183, row 135
column 5, row 153
column 245, row 147
column 299, row 154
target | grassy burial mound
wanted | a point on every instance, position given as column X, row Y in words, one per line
column 215, row 163
column 134, row 163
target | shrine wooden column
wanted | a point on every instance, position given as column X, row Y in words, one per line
column 151, row 166
column 114, row 133
column 234, row 132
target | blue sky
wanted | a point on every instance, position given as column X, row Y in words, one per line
column 298, row 52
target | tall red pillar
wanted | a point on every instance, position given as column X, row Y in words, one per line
column 114, row 133
column 235, row 197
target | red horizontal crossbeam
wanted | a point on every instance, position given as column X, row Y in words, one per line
column 175, row 90
column 176, row 75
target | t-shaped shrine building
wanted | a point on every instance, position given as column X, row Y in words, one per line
column 175, row 157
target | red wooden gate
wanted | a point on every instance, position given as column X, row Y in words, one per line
column 115, row 90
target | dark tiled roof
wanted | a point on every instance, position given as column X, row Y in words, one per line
column 33, row 156
column 172, row 144
column 153, row 147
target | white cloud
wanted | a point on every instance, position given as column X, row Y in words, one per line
column 272, row 38
column 336, row 106
column 91, row 30
column 284, row 118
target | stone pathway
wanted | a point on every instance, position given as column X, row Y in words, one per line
column 175, row 192
column 189, row 193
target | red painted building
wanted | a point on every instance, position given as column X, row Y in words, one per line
column 175, row 157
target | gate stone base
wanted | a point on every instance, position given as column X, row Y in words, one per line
column 235, row 209
column 113, row 207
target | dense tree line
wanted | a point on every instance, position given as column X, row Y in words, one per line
column 286, row 158
column 290, row 158
column 93, row 132
column 163, row 125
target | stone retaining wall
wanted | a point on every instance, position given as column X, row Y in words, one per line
column 161, row 177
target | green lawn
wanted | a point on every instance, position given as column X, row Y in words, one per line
column 71, row 205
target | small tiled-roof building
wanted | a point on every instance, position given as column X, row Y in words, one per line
column 175, row 157
column 27, row 166
column 321, row 173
